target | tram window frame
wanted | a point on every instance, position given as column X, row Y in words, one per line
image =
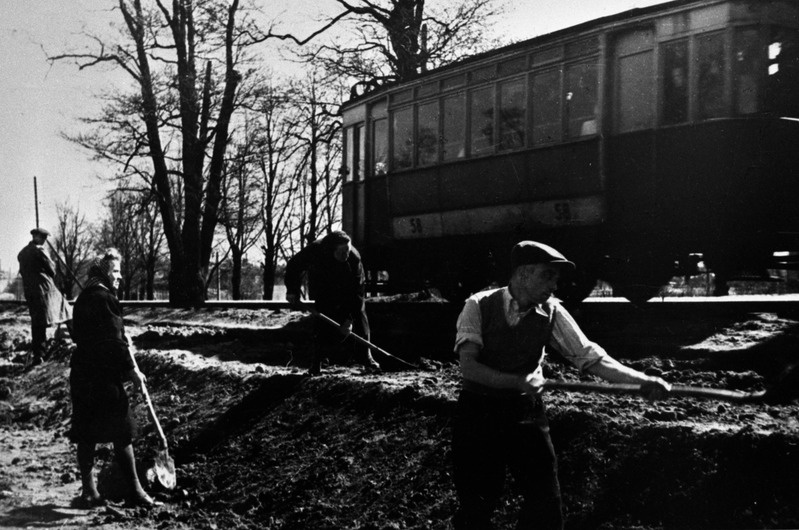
column 360, row 160
column 421, row 142
column 550, row 130
column 782, row 97
column 705, row 108
column 507, row 138
column 489, row 124
column 666, row 77
column 379, row 157
column 349, row 157
column 746, row 70
column 407, row 162
column 459, row 121
column 582, row 125
column 636, row 44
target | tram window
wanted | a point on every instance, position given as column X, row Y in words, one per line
column 454, row 140
column 482, row 121
column 546, row 107
column 745, row 57
column 360, row 163
column 380, row 146
column 427, row 134
column 675, row 82
column 634, row 92
column 710, row 56
column 349, row 159
column 402, row 130
column 581, row 99
column 512, row 114
column 783, row 80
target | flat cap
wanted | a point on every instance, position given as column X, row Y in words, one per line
column 533, row 252
column 40, row 231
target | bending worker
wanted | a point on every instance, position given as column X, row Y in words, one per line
column 46, row 304
column 336, row 284
column 500, row 420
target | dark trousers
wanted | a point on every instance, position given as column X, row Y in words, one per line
column 330, row 343
column 38, row 338
column 492, row 435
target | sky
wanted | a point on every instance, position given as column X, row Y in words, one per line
column 39, row 102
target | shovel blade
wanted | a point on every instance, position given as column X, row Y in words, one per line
column 162, row 473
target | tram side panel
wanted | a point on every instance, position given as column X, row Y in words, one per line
column 455, row 223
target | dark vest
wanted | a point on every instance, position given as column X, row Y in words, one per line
column 518, row 349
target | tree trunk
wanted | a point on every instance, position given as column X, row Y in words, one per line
column 186, row 286
column 235, row 274
column 269, row 273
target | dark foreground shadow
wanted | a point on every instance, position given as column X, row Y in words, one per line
column 45, row 516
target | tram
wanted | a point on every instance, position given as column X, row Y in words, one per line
column 636, row 143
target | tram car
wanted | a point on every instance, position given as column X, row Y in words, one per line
column 637, row 144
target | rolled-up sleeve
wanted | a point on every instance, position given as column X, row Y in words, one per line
column 571, row 342
column 469, row 326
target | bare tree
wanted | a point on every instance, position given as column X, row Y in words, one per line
column 240, row 209
column 132, row 225
column 185, row 61
column 277, row 147
column 73, row 246
column 150, row 245
column 118, row 229
column 317, row 133
column 395, row 40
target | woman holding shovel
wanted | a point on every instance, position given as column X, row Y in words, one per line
column 100, row 365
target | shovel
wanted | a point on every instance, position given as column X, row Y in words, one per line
column 676, row 390
column 163, row 470
column 783, row 392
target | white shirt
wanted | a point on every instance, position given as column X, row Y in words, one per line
column 567, row 337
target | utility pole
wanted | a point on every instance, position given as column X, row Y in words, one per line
column 36, row 199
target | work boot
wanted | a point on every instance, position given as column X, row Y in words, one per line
column 371, row 366
column 33, row 359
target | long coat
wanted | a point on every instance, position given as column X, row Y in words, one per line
column 100, row 407
column 46, row 303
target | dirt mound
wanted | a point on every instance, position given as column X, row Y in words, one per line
column 258, row 444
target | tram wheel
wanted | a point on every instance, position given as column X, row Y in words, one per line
column 639, row 277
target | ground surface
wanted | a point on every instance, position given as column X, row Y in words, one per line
column 260, row 445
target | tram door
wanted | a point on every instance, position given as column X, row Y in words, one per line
column 632, row 194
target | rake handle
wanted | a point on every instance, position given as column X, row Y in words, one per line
column 362, row 340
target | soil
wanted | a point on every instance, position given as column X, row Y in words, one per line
column 259, row 444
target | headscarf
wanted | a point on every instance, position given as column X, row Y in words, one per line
column 100, row 270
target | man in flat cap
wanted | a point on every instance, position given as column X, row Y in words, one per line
column 500, row 421
column 336, row 284
column 46, row 304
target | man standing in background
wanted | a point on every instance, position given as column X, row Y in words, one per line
column 46, row 304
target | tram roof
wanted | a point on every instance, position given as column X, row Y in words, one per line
column 510, row 48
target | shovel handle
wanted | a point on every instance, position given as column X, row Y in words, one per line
column 146, row 394
column 676, row 390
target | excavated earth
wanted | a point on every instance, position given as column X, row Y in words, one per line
column 260, row 445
